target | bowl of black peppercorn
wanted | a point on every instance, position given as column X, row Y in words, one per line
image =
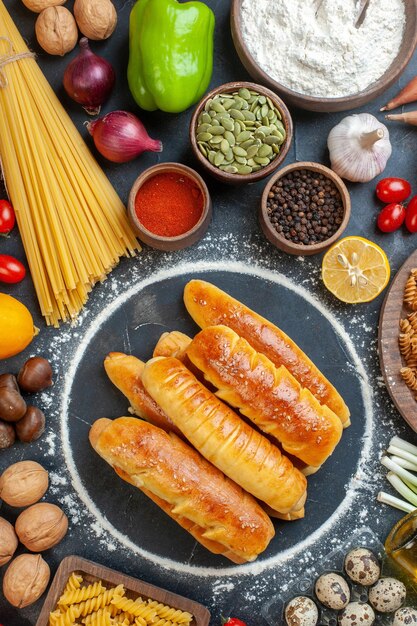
column 304, row 208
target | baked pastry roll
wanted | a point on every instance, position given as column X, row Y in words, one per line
column 223, row 438
column 125, row 371
column 216, row 511
column 209, row 306
column 271, row 397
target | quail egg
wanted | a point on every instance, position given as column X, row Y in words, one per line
column 301, row 611
column 407, row 616
column 357, row 614
column 333, row 591
column 387, row 595
column 362, row 566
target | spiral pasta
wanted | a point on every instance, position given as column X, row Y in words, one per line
column 410, row 290
column 409, row 377
column 407, row 338
column 96, row 605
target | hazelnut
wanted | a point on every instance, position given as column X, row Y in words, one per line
column 31, row 426
column 9, row 381
column 7, row 435
column 35, row 375
column 23, row 483
column 8, row 541
column 12, row 405
column 25, row 580
column 39, row 5
column 41, row 526
column 56, row 30
column 96, row 19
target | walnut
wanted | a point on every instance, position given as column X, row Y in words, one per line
column 56, row 30
column 23, row 483
column 8, row 541
column 41, row 526
column 39, row 5
column 25, row 580
column 96, row 19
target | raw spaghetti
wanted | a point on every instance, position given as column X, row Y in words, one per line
column 73, row 225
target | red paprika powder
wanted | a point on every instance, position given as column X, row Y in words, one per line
column 169, row 204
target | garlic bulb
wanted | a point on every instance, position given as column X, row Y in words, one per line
column 359, row 147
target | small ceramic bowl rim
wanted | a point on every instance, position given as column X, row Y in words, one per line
column 302, row 249
column 150, row 172
column 350, row 101
column 264, row 171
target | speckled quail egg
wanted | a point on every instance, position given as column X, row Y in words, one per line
column 356, row 614
column 301, row 611
column 332, row 590
column 387, row 595
column 362, row 566
column 407, row 616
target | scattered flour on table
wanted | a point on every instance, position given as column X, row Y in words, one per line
column 314, row 48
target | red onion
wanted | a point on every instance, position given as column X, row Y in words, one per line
column 89, row 79
column 120, row 136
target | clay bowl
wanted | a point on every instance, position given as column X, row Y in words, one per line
column 329, row 104
column 239, row 179
column 295, row 248
column 180, row 241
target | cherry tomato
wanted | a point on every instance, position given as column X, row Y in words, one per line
column 411, row 215
column 7, row 217
column 391, row 217
column 11, row 270
column 233, row 621
column 393, row 190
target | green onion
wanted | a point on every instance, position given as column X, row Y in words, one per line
column 403, row 463
column 402, row 488
column 403, row 445
column 400, row 471
column 387, row 498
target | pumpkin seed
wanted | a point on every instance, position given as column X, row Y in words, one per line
column 270, row 103
column 227, row 123
column 229, row 156
column 238, row 103
column 243, row 169
column 236, row 115
column 230, row 137
column 224, row 146
column 228, row 104
column 215, row 122
column 203, row 128
column 265, row 150
column 211, row 156
column 238, row 151
column 262, row 100
column 205, row 118
column 218, row 159
column 204, row 136
column 265, row 110
column 256, row 167
column 266, row 130
column 226, row 96
column 271, row 139
column 261, row 160
column 252, row 151
column 217, row 106
column 212, row 113
column 259, row 134
column 207, row 106
column 271, row 115
column 249, row 116
column 217, row 130
column 216, row 140
column 230, row 169
column 251, row 162
column 244, row 93
column 265, row 120
column 259, row 115
column 275, row 148
column 243, row 136
column 202, row 149
column 248, row 143
column 241, row 160
column 277, row 113
column 280, row 127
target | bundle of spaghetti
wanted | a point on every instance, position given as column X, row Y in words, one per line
column 73, row 225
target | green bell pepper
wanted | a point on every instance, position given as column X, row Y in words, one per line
column 171, row 53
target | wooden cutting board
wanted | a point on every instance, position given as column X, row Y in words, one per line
column 391, row 361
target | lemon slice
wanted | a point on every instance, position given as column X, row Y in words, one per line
column 355, row 270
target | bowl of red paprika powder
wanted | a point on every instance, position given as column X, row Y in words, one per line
column 169, row 206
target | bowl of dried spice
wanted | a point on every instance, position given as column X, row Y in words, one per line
column 304, row 208
column 240, row 132
column 169, row 206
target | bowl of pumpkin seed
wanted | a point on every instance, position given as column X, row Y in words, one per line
column 240, row 132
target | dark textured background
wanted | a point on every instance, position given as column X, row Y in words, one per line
column 234, row 213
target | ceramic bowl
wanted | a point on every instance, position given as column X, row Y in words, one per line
column 295, row 248
column 328, row 104
column 238, row 179
column 180, row 241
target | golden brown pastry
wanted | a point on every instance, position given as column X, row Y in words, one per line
column 223, row 438
column 209, row 306
column 174, row 344
column 125, row 371
column 271, row 397
column 218, row 513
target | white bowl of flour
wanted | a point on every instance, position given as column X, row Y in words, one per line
column 312, row 53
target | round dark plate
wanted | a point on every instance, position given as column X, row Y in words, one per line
column 133, row 323
column 390, row 358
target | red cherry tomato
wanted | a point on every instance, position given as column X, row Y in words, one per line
column 7, row 217
column 391, row 217
column 393, row 189
column 234, row 621
column 11, row 270
column 411, row 215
